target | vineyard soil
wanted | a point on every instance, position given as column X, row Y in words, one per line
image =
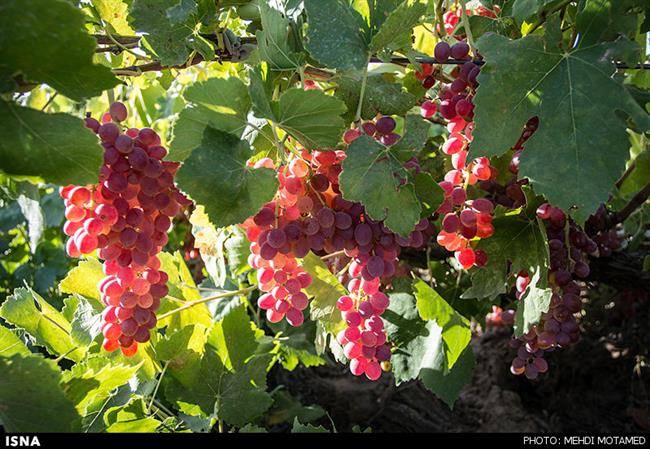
column 591, row 391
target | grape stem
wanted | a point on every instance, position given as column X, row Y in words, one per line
column 362, row 92
column 468, row 31
column 637, row 201
column 191, row 304
column 155, row 390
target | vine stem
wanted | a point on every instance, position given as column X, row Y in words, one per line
column 155, row 390
column 362, row 92
column 468, row 31
column 206, row 299
column 632, row 205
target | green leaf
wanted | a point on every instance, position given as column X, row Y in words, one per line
column 334, row 35
column 311, row 117
column 447, row 386
column 429, row 192
column 421, row 345
column 418, row 343
column 518, row 244
column 83, row 280
column 183, row 350
column 273, row 41
column 86, row 323
column 181, row 11
column 398, row 23
column 46, row 42
column 29, row 204
column 258, row 90
column 531, row 306
column 31, row 398
column 231, row 396
column 115, row 13
column 11, row 344
column 171, row 37
column 216, row 176
column 524, row 9
column 416, row 134
column 27, row 310
column 606, row 20
column 580, row 147
column 371, row 176
column 219, row 103
column 456, row 332
column 55, row 147
column 234, row 338
column 131, row 418
column 517, row 241
column 326, row 291
column 90, row 383
column 380, row 96
column 299, row 427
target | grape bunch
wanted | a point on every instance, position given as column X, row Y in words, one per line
column 308, row 213
column 382, row 130
column 558, row 328
column 126, row 216
column 462, row 219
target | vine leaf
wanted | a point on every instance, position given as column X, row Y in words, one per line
column 220, row 103
column 49, row 327
column 170, row 31
column 421, row 348
column 456, row 333
column 397, row 27
column 132, row 417
column 216, row 176
column 273, row 41
column 334, row 35
column 310, row 116
column 89, row 383
column 524, row 9
column 380, row 95
column 55, row 147
column 115, row 14
column 234, row 338
column 581, row 146
column 210, row 388
column 601, row 20
column 11, row 344
column 372, row 176
column 63, row 60
column 325, row 290
column 520, row 244
column 31, row 397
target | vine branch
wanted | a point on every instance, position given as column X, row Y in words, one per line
column 191, row 304
column 635, row 202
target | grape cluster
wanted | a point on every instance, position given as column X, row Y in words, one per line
column 558, row 327
column 382, row 129
column 607, row 240
column 126, row 217
column 308, row 213
column 463, row 220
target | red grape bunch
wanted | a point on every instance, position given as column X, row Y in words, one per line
column 126, row 216
column 463, row 219
column 558, row 328
column 308, row 213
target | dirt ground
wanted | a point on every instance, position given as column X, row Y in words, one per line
column 601, row 384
